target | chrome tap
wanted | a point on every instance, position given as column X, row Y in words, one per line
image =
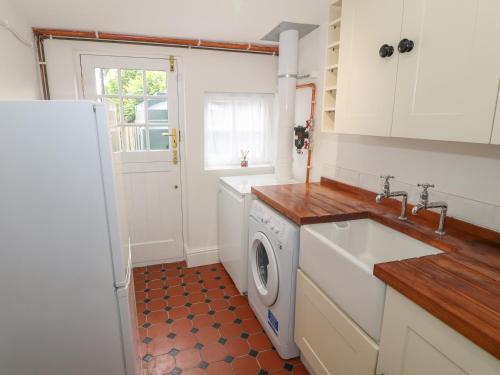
column 424, row 204
column 388, row 194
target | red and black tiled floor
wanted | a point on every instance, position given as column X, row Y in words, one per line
column 193, row 321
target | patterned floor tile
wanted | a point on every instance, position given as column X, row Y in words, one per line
column 192, row 321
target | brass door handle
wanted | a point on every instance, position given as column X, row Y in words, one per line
column 173, row 134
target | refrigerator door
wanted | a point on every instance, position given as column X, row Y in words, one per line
column 59, row 311
column 115, row 196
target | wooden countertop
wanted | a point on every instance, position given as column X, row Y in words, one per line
column 461, row 286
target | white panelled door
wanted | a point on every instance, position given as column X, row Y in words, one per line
column 447, row 84
column 144, row 94
column 366, row 80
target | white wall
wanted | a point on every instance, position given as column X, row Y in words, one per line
column 467, row 176
column 18, row 71
column 230, row 20
column 203, row 71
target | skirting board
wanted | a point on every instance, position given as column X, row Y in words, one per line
column 155, row 252
column 158, row 261
column 202, row 257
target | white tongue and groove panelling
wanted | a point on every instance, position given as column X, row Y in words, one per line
column 153, row 207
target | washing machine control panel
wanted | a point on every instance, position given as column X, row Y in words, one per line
column 271, row 220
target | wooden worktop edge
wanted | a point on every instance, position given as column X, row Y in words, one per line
column 478, row 335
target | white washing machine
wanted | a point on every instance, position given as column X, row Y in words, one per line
column 273, row 258
column 234, row 203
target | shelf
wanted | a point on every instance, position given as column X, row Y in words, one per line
column 335, row 22
column 334, row 44
column 333, row 67
column 328, row 123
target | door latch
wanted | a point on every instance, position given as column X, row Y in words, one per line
column 172, row 63
column 173, row 144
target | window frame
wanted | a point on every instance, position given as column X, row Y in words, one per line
column 145, row 97
column 267, row 138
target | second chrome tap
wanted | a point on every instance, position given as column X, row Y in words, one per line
column 424, row 204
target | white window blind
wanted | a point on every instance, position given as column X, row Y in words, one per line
column 235, row 122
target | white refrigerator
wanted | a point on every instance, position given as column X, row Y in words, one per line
column 67, row 302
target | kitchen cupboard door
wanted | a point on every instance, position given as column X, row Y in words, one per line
column 414, row 342
column 328, row 339
column 366, row 81
column 447, row 84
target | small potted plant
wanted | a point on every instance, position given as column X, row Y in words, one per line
column 244, row 160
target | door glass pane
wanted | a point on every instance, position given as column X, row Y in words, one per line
column 134, row 138
column 110, row 80
column 157, row 111
column 139, row 99
column 112, row 109
column 156, row 82
column 133, row 111
column 262, row 263
column 158, row 139
column 98, row 81
column 115, row 140
column 132, row 82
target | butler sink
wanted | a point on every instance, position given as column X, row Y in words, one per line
column 339, row 257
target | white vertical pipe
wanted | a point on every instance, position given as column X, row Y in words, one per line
column 287, row 82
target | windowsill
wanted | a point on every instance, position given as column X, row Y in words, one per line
column 251, row 168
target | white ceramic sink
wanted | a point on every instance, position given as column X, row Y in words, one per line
column 339, row 258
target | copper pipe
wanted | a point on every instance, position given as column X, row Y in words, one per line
column 146, row 39
column 311, row 118
column 95, row 36
column 154, row 40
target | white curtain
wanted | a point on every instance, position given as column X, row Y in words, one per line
column 235, row 122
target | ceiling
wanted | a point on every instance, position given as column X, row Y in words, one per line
column 226, row 20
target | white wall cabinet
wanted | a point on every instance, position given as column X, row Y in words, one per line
column 414, row 342
column 366, row 82
column 444, row 88
column 328, row 340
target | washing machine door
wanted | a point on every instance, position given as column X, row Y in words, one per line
column 264, row 269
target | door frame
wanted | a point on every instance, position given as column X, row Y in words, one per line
column 181, row 116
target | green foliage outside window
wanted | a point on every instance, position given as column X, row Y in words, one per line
column 133, row 85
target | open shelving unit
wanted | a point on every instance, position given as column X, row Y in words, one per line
column 331, row 66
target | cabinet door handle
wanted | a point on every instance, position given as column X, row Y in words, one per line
column 386, row 51
column 405, row 45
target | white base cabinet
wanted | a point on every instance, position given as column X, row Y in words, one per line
column 414, row 342
column 329, row 341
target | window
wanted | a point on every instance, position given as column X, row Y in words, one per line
column 236, row 123
column 141, row 101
